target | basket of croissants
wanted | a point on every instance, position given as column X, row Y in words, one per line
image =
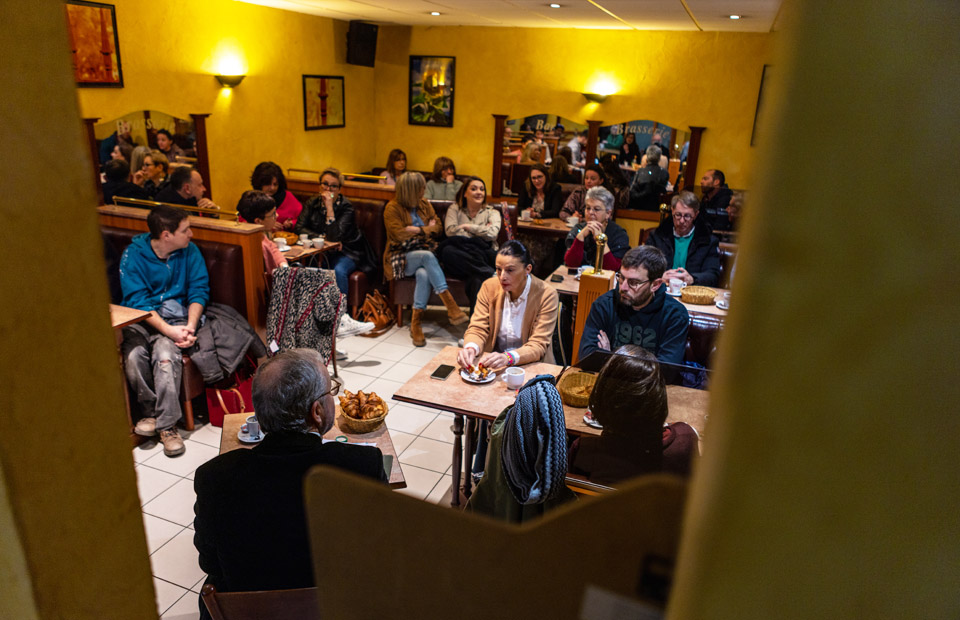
column 361, row 412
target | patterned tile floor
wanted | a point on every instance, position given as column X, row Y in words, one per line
column 423, row 439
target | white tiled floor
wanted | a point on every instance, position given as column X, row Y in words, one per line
column 422, row 437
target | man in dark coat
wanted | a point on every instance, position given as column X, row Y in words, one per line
column 714, row 198
column 186, row 188
column 692, row 250
column 251, row 528
column 649, row 182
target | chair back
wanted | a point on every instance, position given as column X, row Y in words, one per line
column 539, row 569
column 299, row 604
column 728, row 255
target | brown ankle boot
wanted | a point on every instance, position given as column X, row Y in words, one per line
column 416, row 332
column 454, row 313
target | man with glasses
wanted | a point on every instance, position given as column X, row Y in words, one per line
column 638, row 311
column 691, row 248
column 251, row 530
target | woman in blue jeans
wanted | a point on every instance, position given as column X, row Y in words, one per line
column 331, row 214
column 412, row 228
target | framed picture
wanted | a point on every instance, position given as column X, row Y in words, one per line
column 94, row 45
column 431, row 90
column 323, row 106
column 764, row 77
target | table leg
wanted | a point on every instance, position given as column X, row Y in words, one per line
column 457, row 458
column 470, row 448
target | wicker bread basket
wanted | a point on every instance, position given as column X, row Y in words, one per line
column 358, row 427
column 288, row 237
column 572, row 380
column 701, row 295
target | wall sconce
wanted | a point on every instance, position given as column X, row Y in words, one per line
column 229, row 80
column 595, row 97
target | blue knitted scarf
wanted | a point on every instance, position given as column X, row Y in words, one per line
column 533, row 452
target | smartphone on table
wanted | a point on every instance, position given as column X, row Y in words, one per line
column 442, row 372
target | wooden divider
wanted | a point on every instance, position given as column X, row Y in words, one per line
column 247, row 236
column 591, row 287
column 350, row 189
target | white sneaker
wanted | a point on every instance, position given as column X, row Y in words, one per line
column 350, row 327
column 340, row 356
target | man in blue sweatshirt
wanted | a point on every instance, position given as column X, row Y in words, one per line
column 638, row 311
column 163, row 272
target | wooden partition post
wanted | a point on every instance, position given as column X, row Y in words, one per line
column 203, row 158
column 693, row 154
column 88, row 124
column 593, row 139
column 592, row 286
column 496, row 180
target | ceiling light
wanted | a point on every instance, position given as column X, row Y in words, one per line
column 554, row 5
column 735, row 16
column 435, row 13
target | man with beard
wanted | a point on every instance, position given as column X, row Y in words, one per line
column 638, row 311
column 714, row 198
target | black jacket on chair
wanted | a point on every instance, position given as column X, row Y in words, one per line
column 251, row 527
column 703, row 255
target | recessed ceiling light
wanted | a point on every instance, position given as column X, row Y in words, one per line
column 735, row 16
column 554, row 5
column 434, row 13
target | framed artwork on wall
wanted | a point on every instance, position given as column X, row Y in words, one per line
column 431, row 90
column 94, row 44
column 323, row 102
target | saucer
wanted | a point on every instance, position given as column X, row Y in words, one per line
column 284, row 248
column 246, row 438
column 469, row 379
column 722, row 305
column 592, row 422
column 674, row 294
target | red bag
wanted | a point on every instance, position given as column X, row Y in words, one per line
column 233, row 395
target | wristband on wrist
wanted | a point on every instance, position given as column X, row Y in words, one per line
column 514, row 357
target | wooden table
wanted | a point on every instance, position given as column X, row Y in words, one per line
column 120, row 317
column 297, row 252
column 485, row 402
column 552, row 227
column 381, row 437
column 571, row 286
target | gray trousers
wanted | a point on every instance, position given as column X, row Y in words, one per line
column 153, row 365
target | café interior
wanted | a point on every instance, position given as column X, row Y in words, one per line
column 817, row 492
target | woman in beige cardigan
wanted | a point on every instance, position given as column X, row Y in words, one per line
column 515, row 315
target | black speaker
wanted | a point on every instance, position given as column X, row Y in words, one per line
column 362, row 44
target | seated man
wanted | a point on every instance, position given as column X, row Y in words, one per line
column 163, row 272
column 714, row 199
column 577, row 144
column 118, row 182
column 251, row 529
column 638, row 311
column 692, row 250
column 185, row 188
column 649, row 182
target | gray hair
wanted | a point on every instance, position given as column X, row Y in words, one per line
column 285, row 388
column 653, row 154
column 688, row 198
column 600, row 194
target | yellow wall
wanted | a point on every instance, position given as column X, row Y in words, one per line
column 64, row 438
column 680, row 79
column 170, row 51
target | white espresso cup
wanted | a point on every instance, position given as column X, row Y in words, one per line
column 317, row 242
column 514, row 377
column 526, row 215
column 280, row 241
column 675, row 286
column 304, row 236
column 252, row 427
column 573, row 221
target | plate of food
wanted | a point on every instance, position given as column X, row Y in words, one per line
column 478, row 375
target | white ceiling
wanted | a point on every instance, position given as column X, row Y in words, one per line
column 712, row 15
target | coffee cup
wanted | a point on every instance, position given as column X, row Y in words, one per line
column 252, row 427
column 675, row 285
column 725, row 299
column 526, row 215
column 304, row 236
column 514, row 377
column 317, row 242
column 573, row 221
column 280, row 241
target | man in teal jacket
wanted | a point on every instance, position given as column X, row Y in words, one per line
column 164, row 273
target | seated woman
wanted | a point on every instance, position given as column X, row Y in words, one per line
column 530, row 153
column 525, row 474
column 268, row 178
column 615, row 182
column 257, row 207
column 629, row 151
column 582, row 239
column 560, row 170
column 396, row 165
column 330, row 214
column 472, row 227
column 412, row 228
column 137, row 156
column 540, row 194
column 515, row 315
column 592, row 177
column 630, row 400
column 444, row 184
column 154, row 172
column 615, row 139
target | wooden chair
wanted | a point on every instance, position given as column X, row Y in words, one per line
column 299, row 604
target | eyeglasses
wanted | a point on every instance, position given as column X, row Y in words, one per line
column 326, row 185
column 538, row 177
column 685, row 217
column 335, row 385
column 631, row 283
column 145, row 164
